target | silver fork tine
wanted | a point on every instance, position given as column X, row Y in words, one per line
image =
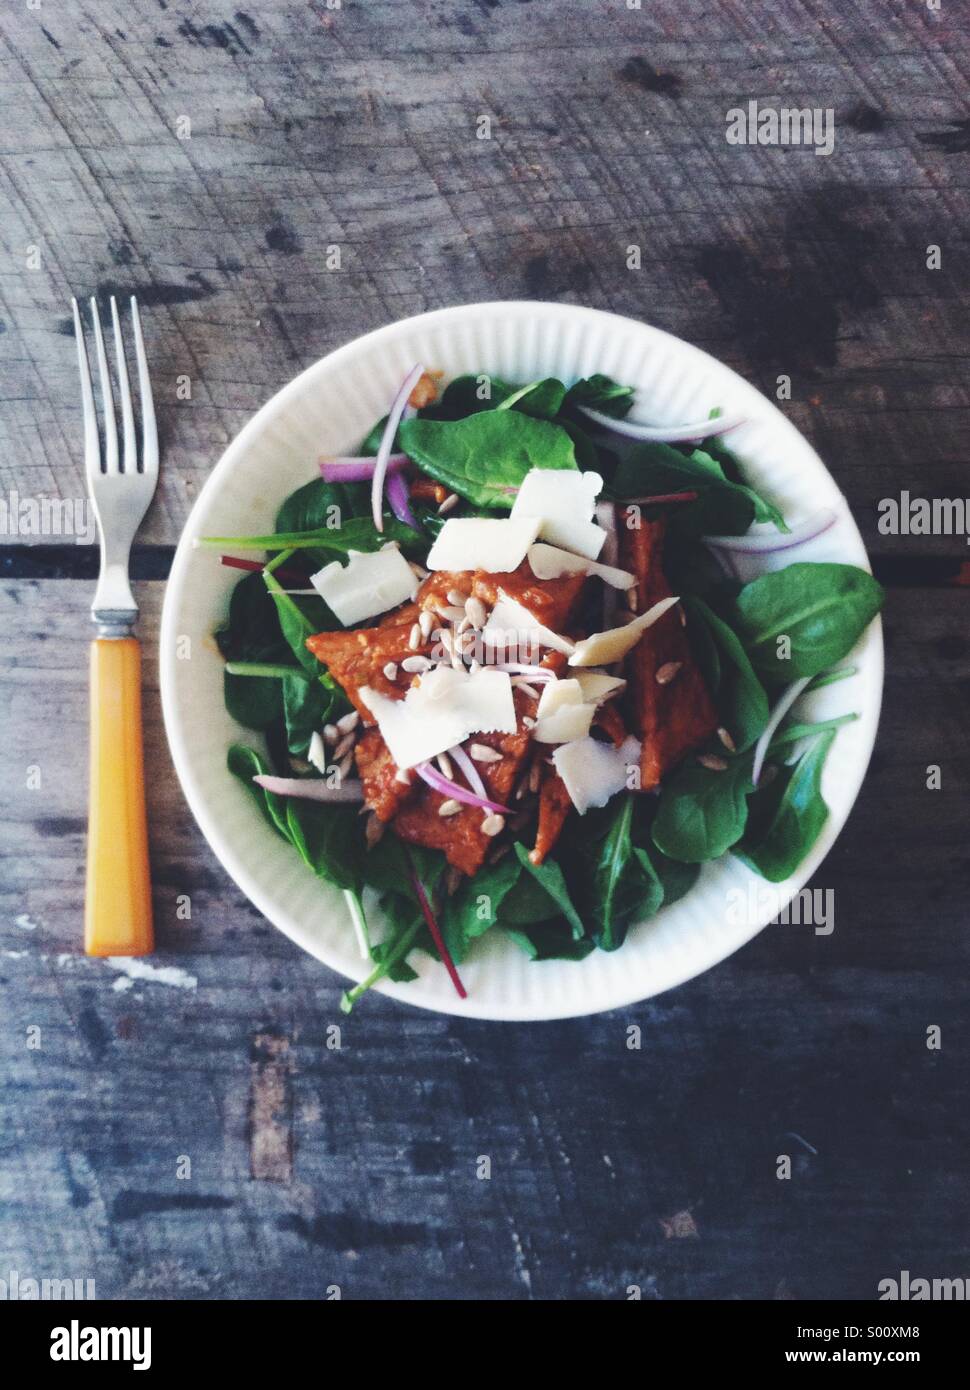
column 124, row 390
column 107, row 399
column 148, row 427
column 92, row 447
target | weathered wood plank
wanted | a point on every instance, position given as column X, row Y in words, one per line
column 596, row 1150
column 357, row 126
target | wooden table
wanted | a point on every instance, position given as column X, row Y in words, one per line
column 206, row 157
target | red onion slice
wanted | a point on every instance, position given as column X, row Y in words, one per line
column 400, row 501
column 310, row 788
column 357, row 469
column 775, row 718
column 469, row 769
column 397, row 409
column 816, row 525
column 441, row 784
column 521, row 668
column 665, row 434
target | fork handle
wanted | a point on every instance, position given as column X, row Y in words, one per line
column 118, row 898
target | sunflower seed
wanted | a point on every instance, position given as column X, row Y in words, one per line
column 418, row 570
column 712, row 762
column 426, row 623
column 493, row 825
column 452, row 612
column 727, row 740
column 483, row 754
column 345, row 764
column 449, row 807
column 475, row 611
column 411, row 664
column 444, row 764
column 456, row 597
column 330, row 733
column 373, row 830
column 667, row 672
column 348, row 722
column 403, row 776
column 344, row 746
column 450, row 502
column 414, row 639
column 527, row 721
column 390, row 671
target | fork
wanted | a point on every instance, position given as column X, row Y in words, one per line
column 118, row 900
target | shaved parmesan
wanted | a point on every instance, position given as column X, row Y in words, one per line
column 594, row 772
column 564, row 502
column 442, row 711
column 564, row 724
column 367, row 585
column 562, row 714
column 482, row 543
column 559, row 693
column 549, row 562
column 511, row 627
column 597, row 686
column 603, row 648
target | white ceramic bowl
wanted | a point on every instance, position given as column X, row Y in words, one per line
column 328, row 408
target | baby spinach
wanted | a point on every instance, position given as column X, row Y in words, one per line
column 623, row 883
column 601, row 393
column 251, row 633
column 486, row 456
column 322, row 506
column 550, row 877
column 798, row 621
column 246, row 763
column 356, row 533
column 737, row 692
column 787, row 816
column 702, row 812
column 550, row 941
column 476, row 905
column 721, row 508
column 543, row 399
column 467, row 395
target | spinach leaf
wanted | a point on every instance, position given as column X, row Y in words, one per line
column 621, row 882
column 787, row 816
column 738, row 694
column 543, row 399
column 329, row 840
column 253, row 701
column 722, row 507
column 252, row 632
column 702, row 812
column 475, row 907
column 527, row 902
column 307, row 706
column 821, row 609
column 601, row 393
column 469, row 394
column 245, row 763
column 720, row 459
column 676, row 879
column 485, row 456
column 550, row 941
column 356, row 533
column 322, row 506
column 550, row 877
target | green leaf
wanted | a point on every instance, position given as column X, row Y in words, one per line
column 739, row 695
column 245, row 763
column 813, row 612
column 550, row 941
column 550, row 877
column 702, row 812
column 624, row 884
column 787, row 816
column 307, row 706
column 464, row 396
column 356, row 533
column 484, row 457
column 722, row 507
column 471, row 911
column 542, row 399
column 528, row 902
column 602, row 393
column 322, row 506
column 329, row 839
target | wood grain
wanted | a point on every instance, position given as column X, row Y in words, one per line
column 351, row 1157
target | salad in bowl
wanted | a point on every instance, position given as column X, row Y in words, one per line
column 523, row 663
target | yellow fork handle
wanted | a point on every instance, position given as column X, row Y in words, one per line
column 118, row 899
